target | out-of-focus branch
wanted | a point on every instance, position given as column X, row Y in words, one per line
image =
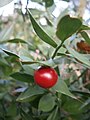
column 81, row 8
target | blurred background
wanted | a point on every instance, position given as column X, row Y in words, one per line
column 17, row 36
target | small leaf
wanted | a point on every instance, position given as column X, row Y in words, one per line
column 62, row 88
column 4, row 2
column 39, row 1
column 49, row 62
column 26, row 116
column 67, row 26
column 23, row 77
column 46, row 103
column 28, row 69
column 48, row 3
column 83, row 59
column 29, row 93
column 86, row 103
column 48, row 21
column 53, row 115
column 3, row 62
column 10, row 53
column 41, row 33
column 17, row 40
column 84, row 27
column 83, row 93
column 85, row 36
column 6, row 32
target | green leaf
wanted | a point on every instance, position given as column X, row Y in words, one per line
column 6, row 33
column 12, row 110
column 53, row 115
column 17, row 40
column 23, row 77
column 47, row 103
column 66, row 0
column 3, row 62
column 81, row 57
column 49, row 62
column 83, row 93
column 86, row 103
column 4, row 2
column 48, row 3
column 62, row 88
column 32, row 91
column 41, row 33
column 10, row 53
column 84, row 27
column 85, row 36
column 25, row 55
column 28, row 69
column 67, row 26
column 48, row 21
column 71, row 105
column 26, row 116
column 36, row 1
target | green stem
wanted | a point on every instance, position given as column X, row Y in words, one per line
column 58, row 47
column 79, row 77
column 58, row 100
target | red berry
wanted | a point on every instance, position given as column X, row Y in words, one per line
column 46, row 77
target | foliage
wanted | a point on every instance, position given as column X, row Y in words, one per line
column 25, row 45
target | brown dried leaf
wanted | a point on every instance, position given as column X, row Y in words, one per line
column 83, row 46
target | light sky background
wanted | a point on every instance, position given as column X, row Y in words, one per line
column 61, row 5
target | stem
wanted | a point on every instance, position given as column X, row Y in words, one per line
column 79, row 77
column 58, row 47
column 58, row 100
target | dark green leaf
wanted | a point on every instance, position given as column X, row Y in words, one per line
column 41, row 33
column 16, row 40
column 72, row 106
column 46, row 103
column 26, row 116
column 22, row 77
column 62, row 88
column 29, row 93
column 10, row 53
column 86, row 103
column 67, row 0
column 12, row 110
column 48, row 3
column 85, row 36
column 67, row 26
column 48, row 21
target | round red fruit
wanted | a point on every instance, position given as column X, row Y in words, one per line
column 45, row 77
